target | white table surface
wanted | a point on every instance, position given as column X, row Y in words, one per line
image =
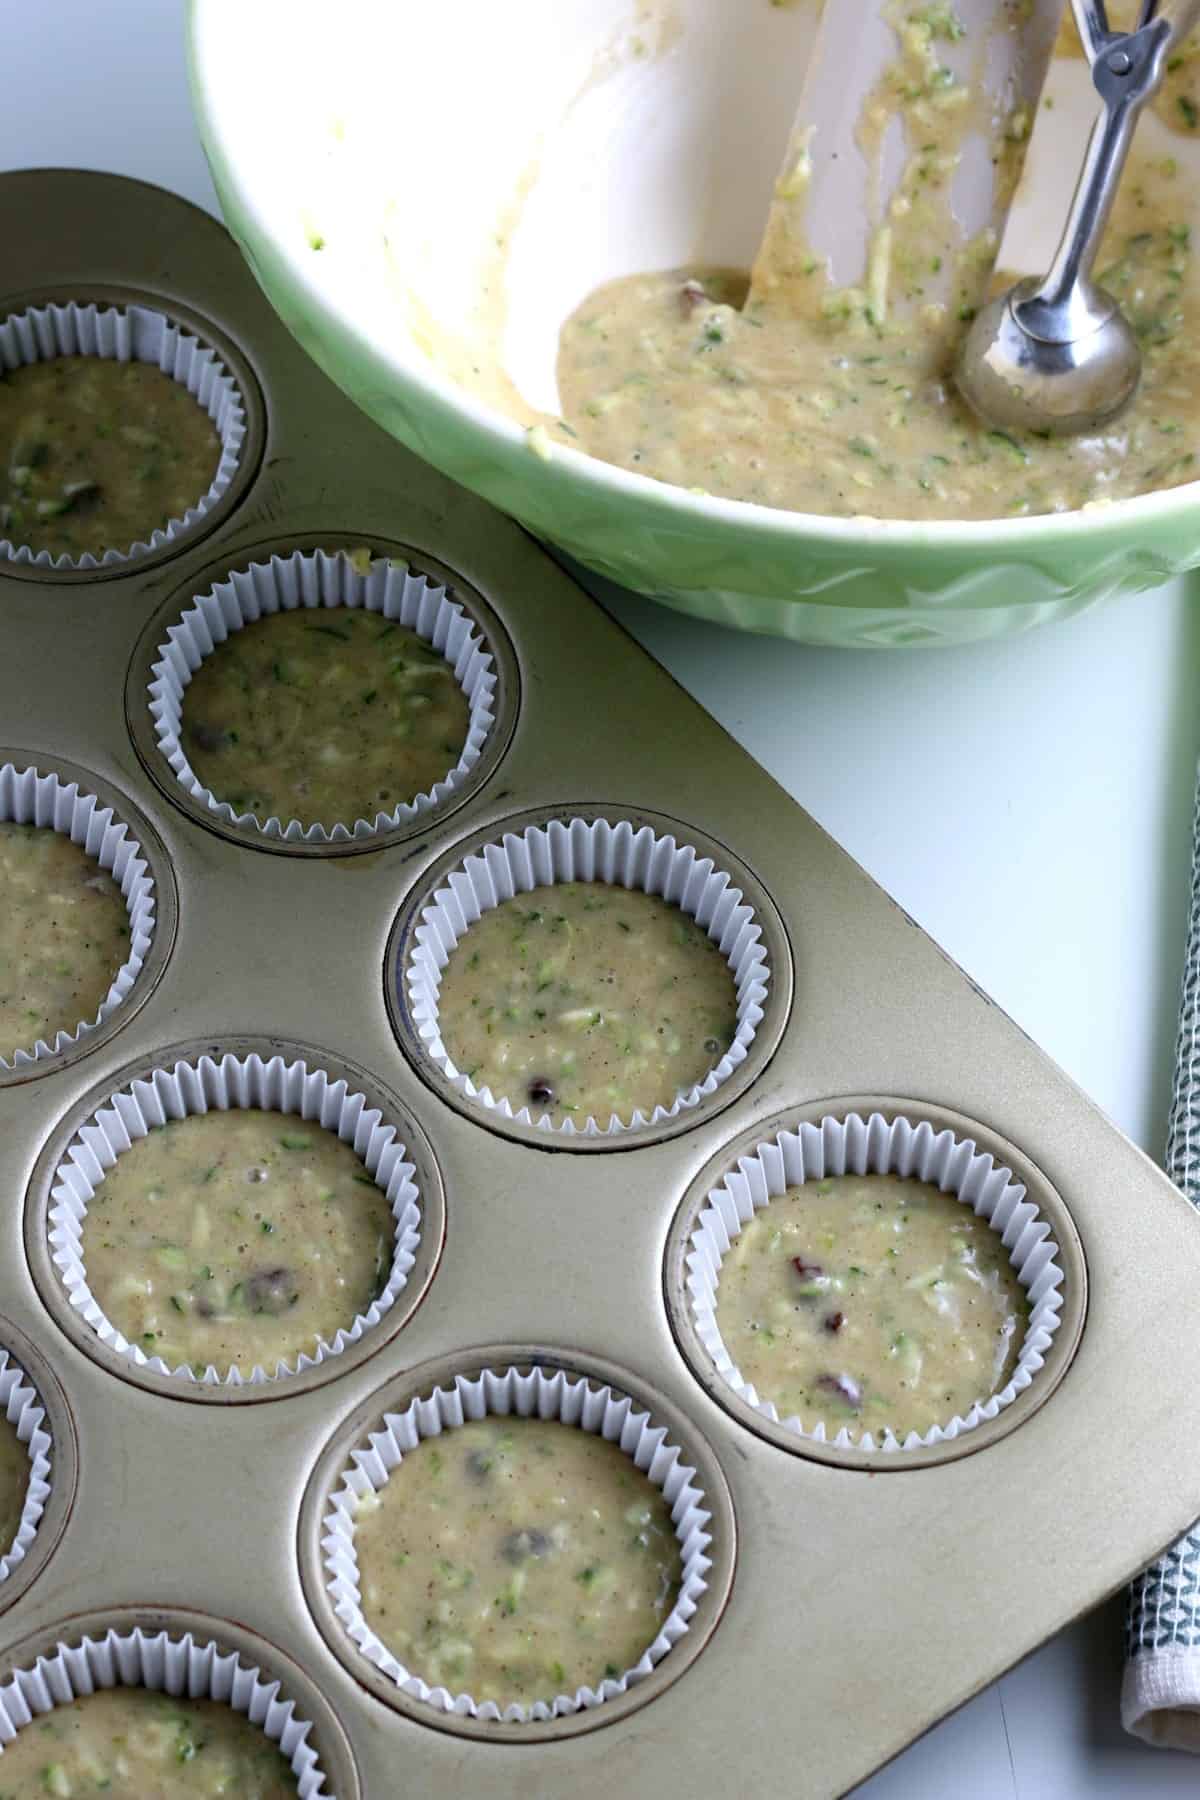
column 1029, row 803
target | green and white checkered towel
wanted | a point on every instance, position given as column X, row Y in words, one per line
column 1160, row 1695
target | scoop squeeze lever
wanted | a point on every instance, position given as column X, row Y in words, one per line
column 1057, row 355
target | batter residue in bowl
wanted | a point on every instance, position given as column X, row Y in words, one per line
column 517, row 1559
column 237, row 1237
column 134, row 1741
column 97, row 455
column 64, row 933
column 832, row 401
column 326, row 715
column 587, row 1000
column 870, row 1301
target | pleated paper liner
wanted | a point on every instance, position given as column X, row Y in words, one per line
column 230, row 1082
column 316, row 580
column 26, row 1414
column 29, row 796
column 125, row 334
column 185, row 1665
column 535, row 1392
column 903, row 1146
column 621, row 854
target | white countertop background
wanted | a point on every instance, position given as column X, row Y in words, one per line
column 1028, row 802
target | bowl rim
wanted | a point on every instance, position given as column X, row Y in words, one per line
column 216, row 82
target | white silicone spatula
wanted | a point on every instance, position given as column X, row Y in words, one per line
column 844, row 169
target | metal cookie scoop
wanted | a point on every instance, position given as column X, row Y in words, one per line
column 1057, row 355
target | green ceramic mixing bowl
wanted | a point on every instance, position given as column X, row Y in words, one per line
column 424, row 193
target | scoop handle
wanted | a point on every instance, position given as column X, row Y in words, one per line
column 1126, row 70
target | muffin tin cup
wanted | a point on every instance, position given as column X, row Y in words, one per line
column 620, row 853
column 29, row 796
column 316, row 580
column 909, row 1146
column 216, row 1082
column 130, row 333
column 231, row 1511
column 25, row 1413
column 187, row 1665
column 37, row 1408
column 541, row 1391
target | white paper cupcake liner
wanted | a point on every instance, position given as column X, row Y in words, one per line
column 180, row 1666
column 581, row 850
column 30, row 798
column 852, row 1145
column 316, row 580
column 205, row 1086
column 26, row 1414
column 543, row 1394
column 129, row 334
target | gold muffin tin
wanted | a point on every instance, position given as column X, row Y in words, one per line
column 855, row 1598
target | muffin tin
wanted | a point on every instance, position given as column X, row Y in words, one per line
column 853, row 1596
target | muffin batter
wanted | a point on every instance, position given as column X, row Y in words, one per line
column 97, row 455
column 325, row 715
column 240, row 1237
column 132, row 1741
column 14, row 1486
column 839, row 401
column 64, row 933
column 870, row 1301
column 586, row 1000
column 517, row 1559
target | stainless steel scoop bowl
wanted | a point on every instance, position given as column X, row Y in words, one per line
column 1057, row 355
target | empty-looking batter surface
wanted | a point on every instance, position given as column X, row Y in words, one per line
column 64, row 933
column 517, row 1559
column 133, row 1742
column 237, row 1237
column 97, row 455
column 870, row 1301
column 326, row 715
column 14, row 1485
column 583, row 1000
